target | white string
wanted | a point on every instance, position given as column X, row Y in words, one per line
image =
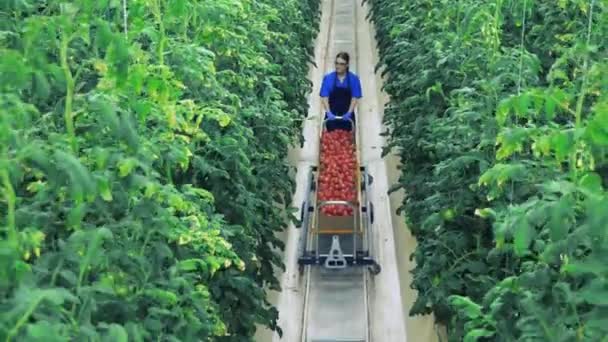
column 521, row 49
column 590, row 21
column 124, row 17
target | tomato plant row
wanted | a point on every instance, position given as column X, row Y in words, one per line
column 337, row 172
column 142, row 165
column 499, row 113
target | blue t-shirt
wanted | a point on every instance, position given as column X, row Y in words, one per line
column 328, row 83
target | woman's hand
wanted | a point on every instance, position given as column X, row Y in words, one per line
column 347, row 116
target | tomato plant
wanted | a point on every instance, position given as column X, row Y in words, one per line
column 498, row 113
column 142, row 165
column 337, row 172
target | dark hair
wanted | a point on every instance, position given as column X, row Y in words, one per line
column 344, row 56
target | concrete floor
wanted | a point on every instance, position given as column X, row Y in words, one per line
column 344, row 28
column 337, row 305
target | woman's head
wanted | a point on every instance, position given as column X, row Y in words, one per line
column 342, row 60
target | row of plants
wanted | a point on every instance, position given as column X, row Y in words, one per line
column 499, row 113
column 142, row 165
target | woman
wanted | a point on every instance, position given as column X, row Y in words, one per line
column 340, row 92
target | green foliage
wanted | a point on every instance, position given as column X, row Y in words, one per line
column 143, row 168
column 499, row 111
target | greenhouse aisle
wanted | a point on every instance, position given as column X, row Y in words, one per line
column 388, row 321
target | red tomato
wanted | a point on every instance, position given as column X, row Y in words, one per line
column 337, row 170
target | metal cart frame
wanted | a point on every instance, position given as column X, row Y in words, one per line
column 313, row 222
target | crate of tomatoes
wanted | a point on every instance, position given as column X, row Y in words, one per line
column 337, row 172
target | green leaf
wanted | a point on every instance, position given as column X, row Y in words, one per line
column 558, row 74
column 128, row 132
column 596, row 292
column 104, row 34
column 596, row 212
column 523, row 235
column 44, row 331
column 485, row 213
column 522, row 104
column 559, row 212
column 542, row 146
column 475, row 334
column 477, row 267
column 203, row 194
column 136, row 332
column 125, row 166
column 550, row 105
column 178, row 8
column 597, row 128
column 94, row 251
column 537, row 99
column 103, row 186
column 69, row 276
column 592, row 182
column 56, row 296
column 189, row 265
column 223, row 119
column 511, row 141
column 560, row 96
column 163, row 296
column 562, row 143
column 116, row 333
column 106, row 112
column 42, row 87
column 81, row 181
column 597, row 320
column 74, row 219
column 69, row 9
column 118, row 58
column 591, row 264
column 470, row 309
column 502, row 112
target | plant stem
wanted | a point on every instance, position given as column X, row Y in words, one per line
column 69, row 97
column 56, row 272
column 145, row 244
column 156, row 9
column 23, row 319
column 497, row 24
column 581, row 98
column 11, row 202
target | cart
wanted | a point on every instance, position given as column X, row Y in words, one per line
column 337, row 242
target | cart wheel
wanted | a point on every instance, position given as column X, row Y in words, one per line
column 375, row 268
column 302, row 208
column 369, row 180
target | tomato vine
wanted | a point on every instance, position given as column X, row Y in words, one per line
column 143, row 168
column 499, row 112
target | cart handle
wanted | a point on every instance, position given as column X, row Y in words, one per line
column 325, row 121
column 336, row 202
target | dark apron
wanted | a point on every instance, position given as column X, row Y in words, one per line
column 339, row 103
